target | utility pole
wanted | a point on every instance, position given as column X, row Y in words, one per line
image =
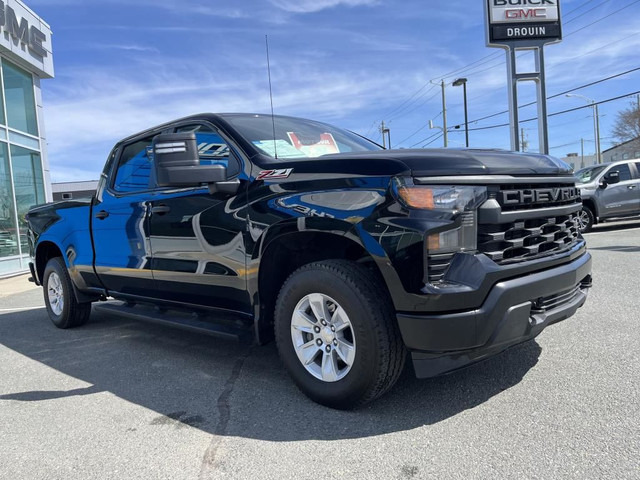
column 385, row 131
column 596, row 123
column 384, row 140
column 582, row 152
column 597, row 116
column 523, row 142
column 444, row 115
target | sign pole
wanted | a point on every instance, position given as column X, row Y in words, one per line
column 524, row 25
column 543, row 125
column 514, row 117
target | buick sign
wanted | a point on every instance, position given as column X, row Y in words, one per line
column 523, row 22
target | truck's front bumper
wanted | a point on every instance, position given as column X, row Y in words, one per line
column 515, row 311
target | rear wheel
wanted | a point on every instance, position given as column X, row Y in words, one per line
column 63, row 308
column 586, row 219
column 337, row 334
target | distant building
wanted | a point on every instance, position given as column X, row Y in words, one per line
column 578, row 161
column 624, row 151
column 73, row 190
column 25, row 60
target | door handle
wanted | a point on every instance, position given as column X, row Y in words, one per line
column 102, row 214
column 631, row 187
column 161, row 209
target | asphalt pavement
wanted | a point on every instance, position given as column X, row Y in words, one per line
column 121, row 399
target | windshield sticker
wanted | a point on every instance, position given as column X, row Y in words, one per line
column 284, row 148
column 275, row 174
column 313, row 146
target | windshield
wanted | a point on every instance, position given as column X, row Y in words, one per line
column 297, row 137
column 587, row 175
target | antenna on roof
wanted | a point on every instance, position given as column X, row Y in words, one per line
column 273, row 118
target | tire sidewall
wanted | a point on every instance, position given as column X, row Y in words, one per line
column 364, row 369
column 55, row 266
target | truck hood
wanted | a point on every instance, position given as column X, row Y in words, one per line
column 427, row 163
column 442, row 162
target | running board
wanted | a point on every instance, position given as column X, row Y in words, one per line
column 186, row 321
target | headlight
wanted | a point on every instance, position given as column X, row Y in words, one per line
column 451, row 198
column 459, row 201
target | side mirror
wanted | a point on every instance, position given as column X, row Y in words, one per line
column 612, row 177
column 177, row 162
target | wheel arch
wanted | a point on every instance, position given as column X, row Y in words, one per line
column 289, row 251
column 45, row 251
column 591, row 204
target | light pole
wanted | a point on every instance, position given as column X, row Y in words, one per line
column 596, row 122
column 457, row 83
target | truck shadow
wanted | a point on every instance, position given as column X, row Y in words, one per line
column 224, row 388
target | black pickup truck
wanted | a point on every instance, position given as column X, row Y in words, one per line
column 350, row 256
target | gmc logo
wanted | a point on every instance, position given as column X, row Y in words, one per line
column 530, row 13
column 524, row 3
column 539, row 195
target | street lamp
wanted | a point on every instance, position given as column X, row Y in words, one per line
column 457, row 83
column 596, row 122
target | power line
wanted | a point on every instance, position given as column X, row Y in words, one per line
column 590, row 10
column 435, row 139
column 560, row 112
column 501, row 62
column 396, row 112
column 563, row 93
column 420, row 105
column 437, row 134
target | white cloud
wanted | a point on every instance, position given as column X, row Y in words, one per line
column 311, row 6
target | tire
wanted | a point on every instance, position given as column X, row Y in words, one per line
column 363, row 318
column 586, row 219
column 59, row 298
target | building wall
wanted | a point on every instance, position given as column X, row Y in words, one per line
column 25, row 58
column 74, row 190
column 624, row 151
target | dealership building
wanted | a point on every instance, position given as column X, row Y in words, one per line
column 25, row 59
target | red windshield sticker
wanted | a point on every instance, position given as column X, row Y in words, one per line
column 314, row 147
column 275, row 174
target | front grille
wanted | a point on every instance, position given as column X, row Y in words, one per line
column 528, row 239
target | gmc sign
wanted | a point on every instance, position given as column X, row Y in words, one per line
column 523, row 21
column 509, row 11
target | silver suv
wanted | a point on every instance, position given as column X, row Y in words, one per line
column 610, row 190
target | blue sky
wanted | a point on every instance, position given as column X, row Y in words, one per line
column 122, row 66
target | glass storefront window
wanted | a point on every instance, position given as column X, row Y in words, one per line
column 8, row 226
column 20, row 101
column 28, row 184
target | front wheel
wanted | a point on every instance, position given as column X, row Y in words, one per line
column 586, row 219
column 337, row 334
column 63, row 308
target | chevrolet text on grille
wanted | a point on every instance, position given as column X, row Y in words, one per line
column 540, row 195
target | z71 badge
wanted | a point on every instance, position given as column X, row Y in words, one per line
column 274, row 174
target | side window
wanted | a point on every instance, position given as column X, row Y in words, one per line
column 212, row 148
column 625, row 172
column 638, row 169
column 135, row 168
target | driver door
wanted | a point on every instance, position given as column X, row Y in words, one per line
column 198, row 238
column 621, row 198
